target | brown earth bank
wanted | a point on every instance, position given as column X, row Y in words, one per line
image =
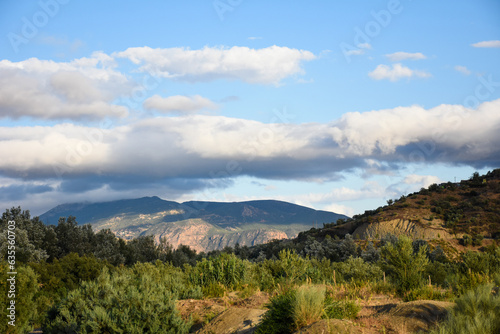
column 379, row 314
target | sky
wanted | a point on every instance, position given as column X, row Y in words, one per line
column 335, row 105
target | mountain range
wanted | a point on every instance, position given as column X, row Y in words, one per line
column 204, row 226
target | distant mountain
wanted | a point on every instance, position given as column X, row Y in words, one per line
column 203, row 226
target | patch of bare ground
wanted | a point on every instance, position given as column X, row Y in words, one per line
column 332, row 326
column 218, row 314
column 379, row 314
column 235, row 320
column 396, row 317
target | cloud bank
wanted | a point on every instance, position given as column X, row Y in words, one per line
column 198, row 146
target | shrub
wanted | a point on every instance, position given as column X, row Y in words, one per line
column 289, row 268
column 225, row 269
column 477, row 240
column 475, row 312
column 405, row 266
column 279, row 318
column 308, row 305
column 461, row 283
column 358, row 271
column 426, row 293
column 466, row 240
column 343, row 309
column 125, row 302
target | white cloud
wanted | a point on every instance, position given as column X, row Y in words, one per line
column 487, row 44
column 396, row 72
column 205, row 147
column 82, row 88
column 263, row 66
column 462, row 69
column 422, row 181
column 359, row 51
column 179, row 103
column 399, row 56
column 341, row 209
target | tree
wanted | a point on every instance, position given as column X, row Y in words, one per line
column 125, row 302
column 26, row 286
column 107, row 247
column 370, row 254
column 403, row 264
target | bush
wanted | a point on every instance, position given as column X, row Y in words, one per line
column 466, row 240
column 358, row 271
column 308, row 306
column 125, row 302
column 294, row 309
column 279, row 318
column 426, row 293
column 477, row 240
column 225, row 269
column 405, row 266
column 475, row 312
column 460, row 283
column 347, row 309
column 289, row 268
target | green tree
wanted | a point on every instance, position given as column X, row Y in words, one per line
column 26, row 286
column 123, row 302
column 403, row 264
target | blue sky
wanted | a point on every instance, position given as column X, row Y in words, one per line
column 336, row 105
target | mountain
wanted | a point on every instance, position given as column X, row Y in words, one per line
column 457, row 214
column 204, row 226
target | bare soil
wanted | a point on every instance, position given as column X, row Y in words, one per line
column 379, row 314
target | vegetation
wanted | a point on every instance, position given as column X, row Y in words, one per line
column 293, row 309
column 128, row 301
column 476, row 312
column 73, row 280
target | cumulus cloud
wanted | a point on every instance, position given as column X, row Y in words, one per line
column 187, row 153
column 421, row 180
column 396, row 72
column 462, row 69
column 199, row 146
column 399, row 56
column 82, row 88
column 179, row 103
column 487, row 44
column 262, row 66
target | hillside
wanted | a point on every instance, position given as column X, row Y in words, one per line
column 448, row 211
column 204, row 226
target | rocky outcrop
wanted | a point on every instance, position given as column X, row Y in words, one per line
column 399, row 227
column 199, row 234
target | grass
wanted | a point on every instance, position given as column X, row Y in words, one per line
column 476, row 312
column 309, row 305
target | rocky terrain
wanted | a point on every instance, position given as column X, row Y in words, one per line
column 449, row 213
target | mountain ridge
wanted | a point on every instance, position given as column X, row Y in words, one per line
column 201, row 225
